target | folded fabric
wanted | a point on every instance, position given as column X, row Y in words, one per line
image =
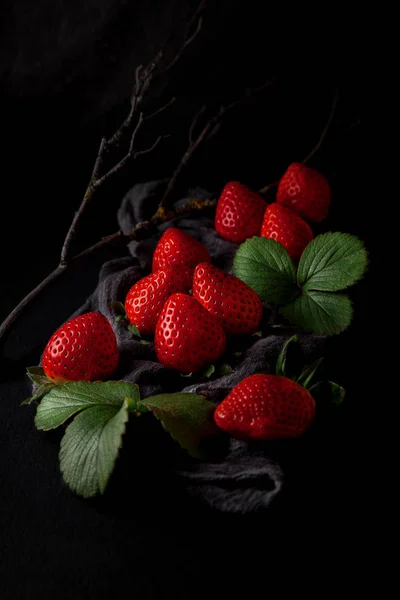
column 247, row 478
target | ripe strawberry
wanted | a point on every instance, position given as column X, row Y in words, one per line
column 266, row 407
column 239, row 213
column 176, row 247
column 187, row 336
column 83, row 349
column 228, row 298
column 305, row 191
column 146, row 297
column 287, row 228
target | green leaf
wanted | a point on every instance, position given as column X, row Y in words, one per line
column 90, row 448
column 40, row 392
column 209, row 371
column 66, row 400
column 309, row 373
column 133, row 329
column 38, row 376
column 281, row 363
column 319, row 312
column 187, row 417
column 338, row 392
column 225, row 369
column 117, row 308
column 145, row 342
column 267, row 268
column 332, row 262
column 328, row 391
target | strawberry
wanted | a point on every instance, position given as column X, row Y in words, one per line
column 187, row 336
column 83, row 349
column 239, row 213
column 178, row 248
column 228, row 298
column 287, row 228
column 266, row 407
column 146, row 297
column 305, row 191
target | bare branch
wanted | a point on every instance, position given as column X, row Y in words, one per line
column 142, row 231
column 134, row 133
column 208, row 131
column 189, row 37
column 265, row 189
column 151, row 148
column 185, row 44
column 268, row 187
column 194, row 123
column 325, row 129
column 159, row 110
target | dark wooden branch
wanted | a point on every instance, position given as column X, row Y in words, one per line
column 143, row 79
column 141, row 231
column 208, row 131
column 321, row 138
column 325, row 129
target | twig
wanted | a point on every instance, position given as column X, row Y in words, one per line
column 143, row 78
column 140, row 231
column 325, row 129
column 208, row 131
column 188, row 37
column 265, row 189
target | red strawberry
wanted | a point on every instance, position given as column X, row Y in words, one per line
column 187, row 336
column 228, row 298
column 305, row 191
column 266, row 407
column 146, row 298
column 287, row 228
column 176, row 247
column 239, row 213
column 83, row 349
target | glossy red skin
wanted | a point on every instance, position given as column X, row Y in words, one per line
column 305, row 191
column 239, row 213
column 178, row 248
column 228, row 298
column 187, row 336
column 266, row 407
column 287, row 228
column 83, row 349
column 146, row 298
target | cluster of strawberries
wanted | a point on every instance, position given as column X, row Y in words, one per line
column 191, row 306
column 190, row 330
column 303, row 195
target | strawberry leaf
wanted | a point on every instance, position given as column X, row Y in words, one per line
column 187, row 417
column 319, row 312
column 63, row 401
column 90, row 447
column 225, row 369
column 117, row 308
column 328, row 391
column 309, row 373
column 133, row 329
column 38, row 376
column 290, row 358
column 332, row 262
column 267, row 268
column 40, row 392
column 208, row 371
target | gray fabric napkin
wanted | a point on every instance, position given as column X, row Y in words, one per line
column 247, row 478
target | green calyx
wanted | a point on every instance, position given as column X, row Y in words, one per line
column 290, row 364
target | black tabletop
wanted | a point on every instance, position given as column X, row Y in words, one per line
column 66, row 75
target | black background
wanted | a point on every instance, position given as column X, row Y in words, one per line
column 66, row 71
